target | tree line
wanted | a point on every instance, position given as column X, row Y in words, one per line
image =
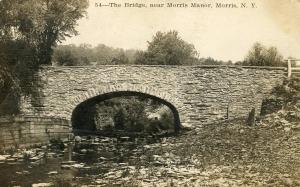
column 165, row 48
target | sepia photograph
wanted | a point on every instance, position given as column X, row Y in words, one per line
column 149, row 93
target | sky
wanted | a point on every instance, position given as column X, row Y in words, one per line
column 220, row 33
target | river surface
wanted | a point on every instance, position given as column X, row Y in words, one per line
column 92, row 160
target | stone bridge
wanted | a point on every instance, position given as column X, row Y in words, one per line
column 196, row 94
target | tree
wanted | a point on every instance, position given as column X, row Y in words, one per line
column 29, row 30
column 71, row 55
column 41, row 24
column 65, row 57
column 167, row 49
column 260, row 55
column 51, row 22
column 210, row 61
column 121, row 58
column 5, row 82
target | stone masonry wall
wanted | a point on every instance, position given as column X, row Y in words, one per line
column 19, row 131
column 201, row 94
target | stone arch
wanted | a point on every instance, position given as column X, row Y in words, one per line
column 124, row 87
column 163, row 97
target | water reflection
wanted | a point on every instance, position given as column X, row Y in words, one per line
column 74, row 163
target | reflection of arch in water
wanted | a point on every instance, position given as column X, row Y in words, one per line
column 78, row 111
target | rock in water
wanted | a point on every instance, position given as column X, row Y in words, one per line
column 42, row 185
column 53, row 173
column 2, row 158
column 78, row 139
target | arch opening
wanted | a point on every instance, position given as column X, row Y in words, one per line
column 126, row 112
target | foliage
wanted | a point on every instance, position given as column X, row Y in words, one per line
column 284, row 96
column 130, row 113
column 167, row 121
column 40, row 24
column 83, row 55
column 29, row 29
column 259, row 55
column 119, row 119
column 167, row 49
column 65, row 56
column 5, row 82
column 212, row 61
column 289, row 90
column 86, row 55
column 133, row 114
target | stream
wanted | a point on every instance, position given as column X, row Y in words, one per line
column 91, row 160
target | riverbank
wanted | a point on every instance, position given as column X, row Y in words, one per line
column 226, row 154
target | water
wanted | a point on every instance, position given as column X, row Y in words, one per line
column 93, row 158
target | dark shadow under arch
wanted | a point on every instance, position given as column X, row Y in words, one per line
column 76, row 114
